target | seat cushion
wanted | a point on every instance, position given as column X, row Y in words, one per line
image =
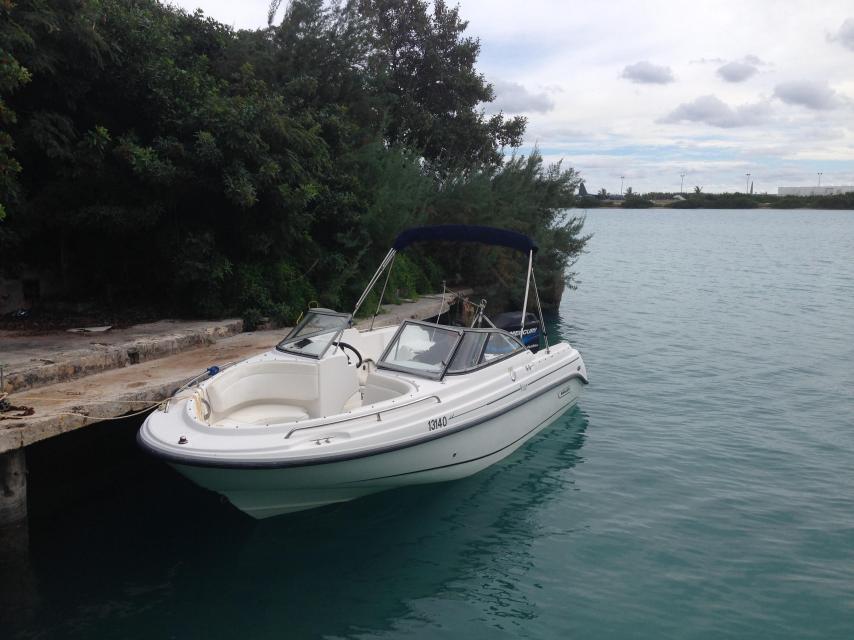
column 265, row 414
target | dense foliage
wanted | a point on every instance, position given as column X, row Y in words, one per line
column 635, row 201
column 153, row 157
column 838, row 201
column 700, row 200
column 591, row 202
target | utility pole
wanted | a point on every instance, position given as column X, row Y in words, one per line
column 747, row 182
column 621, row 184
column 682, row 175
column 819, row 177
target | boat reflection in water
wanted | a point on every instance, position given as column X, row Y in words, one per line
column 419, row 554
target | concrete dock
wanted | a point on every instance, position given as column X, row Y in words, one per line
column 63, row 381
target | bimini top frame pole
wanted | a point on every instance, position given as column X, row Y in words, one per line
column 382, row 293
column 525, row 301
column 388, row 258
column 540, row 309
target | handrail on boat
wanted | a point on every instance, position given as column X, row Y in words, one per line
column 378, row 414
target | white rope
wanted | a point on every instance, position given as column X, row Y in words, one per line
column 152, row 404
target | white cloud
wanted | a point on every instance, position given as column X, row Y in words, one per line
column 845, row 35
column 247, row 14
column 809, row 94
column 644, row 72
column 737, row 71
column 713, row 111
column 512, row 97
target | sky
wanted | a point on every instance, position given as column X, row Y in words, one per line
column 650, row 90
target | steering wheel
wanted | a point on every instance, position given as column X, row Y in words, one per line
column 355, row 351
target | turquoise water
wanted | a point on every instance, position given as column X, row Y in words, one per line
column 703, row 489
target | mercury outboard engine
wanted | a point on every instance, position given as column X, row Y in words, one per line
column 510, row 322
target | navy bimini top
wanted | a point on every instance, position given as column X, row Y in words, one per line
column 465, row 233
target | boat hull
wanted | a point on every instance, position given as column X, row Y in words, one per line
column 267, row 492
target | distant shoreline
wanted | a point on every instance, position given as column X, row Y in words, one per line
column 838, row 202
column 667, row 204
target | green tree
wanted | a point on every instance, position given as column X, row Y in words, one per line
column 144, row 152
column 527, row 196
column 422, row 66
column 13, row 75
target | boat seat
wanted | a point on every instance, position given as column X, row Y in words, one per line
column 379, row 387
column 280, row 391
column 265, row 413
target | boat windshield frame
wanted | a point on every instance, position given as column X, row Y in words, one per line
column 520, row 348
column 299, row 335
column 382, row 363
column 460, row 332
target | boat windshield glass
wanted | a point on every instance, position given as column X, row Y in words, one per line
column 422, row 349
column 481, row 347
column 315, row 332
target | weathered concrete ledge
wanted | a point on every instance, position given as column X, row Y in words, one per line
column 32, row 361
column 87, row 399
column 67, row 406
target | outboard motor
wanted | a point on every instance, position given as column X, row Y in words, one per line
column 510, row 322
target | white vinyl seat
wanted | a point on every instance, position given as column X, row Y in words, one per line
column 263, row 392
column 257, row 413
column 273, row 391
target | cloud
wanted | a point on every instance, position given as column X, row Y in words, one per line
column 553, row 88
column 737, row 71
column 740, row 70
column 845, row 35
column 512, row 97
column 647, row 73
column 713, row 111
column 809, row 94
column 566, row 134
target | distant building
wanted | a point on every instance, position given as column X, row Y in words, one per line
column 813, row 191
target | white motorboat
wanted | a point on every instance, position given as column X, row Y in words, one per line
column 333, row 413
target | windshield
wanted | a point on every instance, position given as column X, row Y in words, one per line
column 481, row 347
column 422, row 349
column 313, row 335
